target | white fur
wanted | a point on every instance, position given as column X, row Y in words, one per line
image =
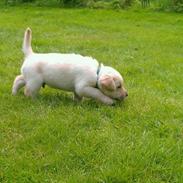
column 70, row 72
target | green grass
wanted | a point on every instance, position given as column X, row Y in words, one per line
column 54, row 139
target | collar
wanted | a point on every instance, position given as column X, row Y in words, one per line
column 98, row 71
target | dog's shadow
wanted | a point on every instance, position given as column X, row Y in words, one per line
column 66, row 99
column 55, row 100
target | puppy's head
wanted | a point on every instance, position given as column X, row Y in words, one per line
column 112, row 85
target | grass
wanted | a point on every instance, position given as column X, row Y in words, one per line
column 54, row 139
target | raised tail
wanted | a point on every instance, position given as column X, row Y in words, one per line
column 27, row 49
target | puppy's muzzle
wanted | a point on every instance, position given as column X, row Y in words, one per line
column 122, row 97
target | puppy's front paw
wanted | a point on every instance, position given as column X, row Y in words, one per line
column 77, row 98
column 109, row 101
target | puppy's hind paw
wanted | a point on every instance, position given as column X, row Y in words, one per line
column 14, row 92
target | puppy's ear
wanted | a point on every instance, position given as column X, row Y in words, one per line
column 107, row 83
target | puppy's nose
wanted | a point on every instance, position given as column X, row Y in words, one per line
column 126, row 94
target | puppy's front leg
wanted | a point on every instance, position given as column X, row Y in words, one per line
column 77, row 98
column 94, row 93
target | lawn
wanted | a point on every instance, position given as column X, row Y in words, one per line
column 53, row 139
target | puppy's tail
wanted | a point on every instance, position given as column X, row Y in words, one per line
column 27, row 49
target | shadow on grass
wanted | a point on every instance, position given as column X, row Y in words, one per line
column 65, row 99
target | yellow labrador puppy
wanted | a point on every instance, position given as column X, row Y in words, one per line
column 71, row 72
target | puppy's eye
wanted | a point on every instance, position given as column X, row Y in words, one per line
column 119, row 86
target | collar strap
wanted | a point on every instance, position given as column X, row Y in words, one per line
column 98, row 71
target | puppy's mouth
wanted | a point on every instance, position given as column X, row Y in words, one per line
column 120, row 98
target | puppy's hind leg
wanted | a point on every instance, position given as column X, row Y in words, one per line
column 18, row 83
column 32, row 88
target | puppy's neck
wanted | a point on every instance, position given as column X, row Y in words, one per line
column 98, row 74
